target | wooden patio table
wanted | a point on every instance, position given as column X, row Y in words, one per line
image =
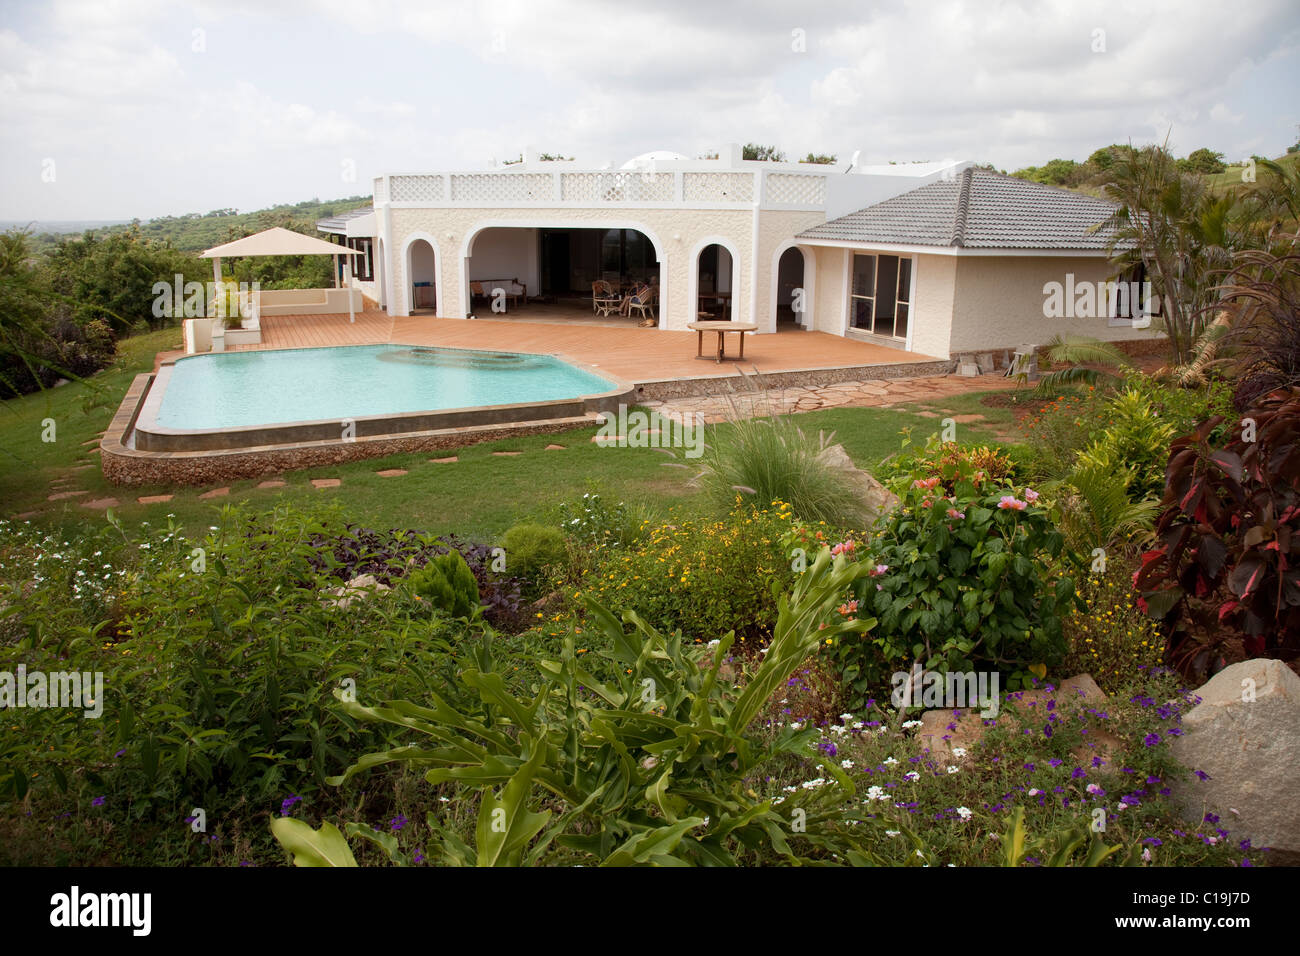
column 722, row 328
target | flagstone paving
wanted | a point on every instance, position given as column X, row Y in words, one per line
column 274, row 483
column 869, row 393
column 66, row 494
column 327, row 482
column 100, row 504
column 214, row 493
column 391, row 473
column 444, row 461
column 154, row 499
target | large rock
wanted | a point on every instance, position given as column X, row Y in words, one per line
column 1245, row 734
column 876, row 498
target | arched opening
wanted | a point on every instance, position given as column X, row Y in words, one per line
column 421, row 278
column 564, row 272
column 713, row 277
column 791, row 303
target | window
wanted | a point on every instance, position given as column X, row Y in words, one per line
column 880, row 297
column 1129, row 297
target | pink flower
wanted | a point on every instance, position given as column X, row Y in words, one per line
column 926, row 483
column 1030, row 495
column 1012, row 502
column 880, row 569
column 955, row 514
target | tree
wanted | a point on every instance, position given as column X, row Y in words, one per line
column 1203, row 161
column 1182, row 232
column 766, row 154
column 1056, row 172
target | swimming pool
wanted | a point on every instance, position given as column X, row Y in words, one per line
column 260, row 397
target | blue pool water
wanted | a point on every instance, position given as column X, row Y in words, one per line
column 236, row 389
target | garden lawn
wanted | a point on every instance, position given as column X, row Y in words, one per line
column 480, row 495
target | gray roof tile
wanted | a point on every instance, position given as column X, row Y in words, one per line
column 977, row 210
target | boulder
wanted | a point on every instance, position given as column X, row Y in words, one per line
column 359, row 587
column 1245, row 735
column 876, row 498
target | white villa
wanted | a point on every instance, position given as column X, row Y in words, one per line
column 932, row 258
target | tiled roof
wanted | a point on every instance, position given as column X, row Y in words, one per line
column 339, row 223
column 977, row 210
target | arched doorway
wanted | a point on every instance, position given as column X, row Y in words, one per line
column 421, row 278
column 714, row 273
column 791, row 302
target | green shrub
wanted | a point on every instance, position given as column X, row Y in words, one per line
column 532, row 550
column 448, row 586
column 703, row 577
column 1132, row 446
column 961, row 582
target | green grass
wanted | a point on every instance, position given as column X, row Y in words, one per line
column 480, row 496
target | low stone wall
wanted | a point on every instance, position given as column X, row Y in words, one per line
column 712, row 385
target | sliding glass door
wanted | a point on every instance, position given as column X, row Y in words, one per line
column 880, row 295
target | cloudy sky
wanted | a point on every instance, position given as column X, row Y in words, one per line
column 114, row 109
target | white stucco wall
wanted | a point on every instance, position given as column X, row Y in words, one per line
column 999, row 302
column 676, row 233
column 935, row 289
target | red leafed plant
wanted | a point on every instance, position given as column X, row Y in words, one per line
column 1228, row 561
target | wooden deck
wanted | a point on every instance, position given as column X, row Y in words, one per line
column 633, row 354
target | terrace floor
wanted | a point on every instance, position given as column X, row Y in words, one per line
column 633, row 354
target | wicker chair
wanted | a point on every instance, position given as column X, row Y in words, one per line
column 604, row 300
column 642, row 301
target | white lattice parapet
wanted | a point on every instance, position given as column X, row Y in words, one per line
column 718, row 187
column 617, row 187
column 380, row 189
column 795, row 190
column 428, row 189
column 473, row 188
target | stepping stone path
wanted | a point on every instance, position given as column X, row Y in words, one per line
column 555, row 448
column 443, row 461
column 154, row 499
column 25, row 515
column 100, row 504
column 272, row 484
column 507, row 454
column 391, row 472
column 214, row 493
column 66, row 494
column 327, row 482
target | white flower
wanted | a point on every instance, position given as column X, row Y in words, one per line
column 954, row 769
column 713, row 643
column 789, row 789
column 846, row 716
column 911, row 724
column 912, row 775
column 892, row 833
column 889, row 761
column 846, row 764
column 1034, row 791
column 964, row 813
column 858, row 725
column 876, row 793
column 813, row 784
column 959, row 751
column 796, row 726
column 1122, row 806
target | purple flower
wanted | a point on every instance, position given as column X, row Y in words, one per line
column 1151, row 740
column 1029, row 767
column 419, row 857
column 1047, row 730
column 1055, row 762
column 1174, row 732
column 97, row 802
column 120, row 753
column 1154, row 841
column 1097, row 761
column 1078, row 773
column 286, row 805
column 1211, row 818
column 1202, row 774
column 397, row 823
column 1153, row 779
